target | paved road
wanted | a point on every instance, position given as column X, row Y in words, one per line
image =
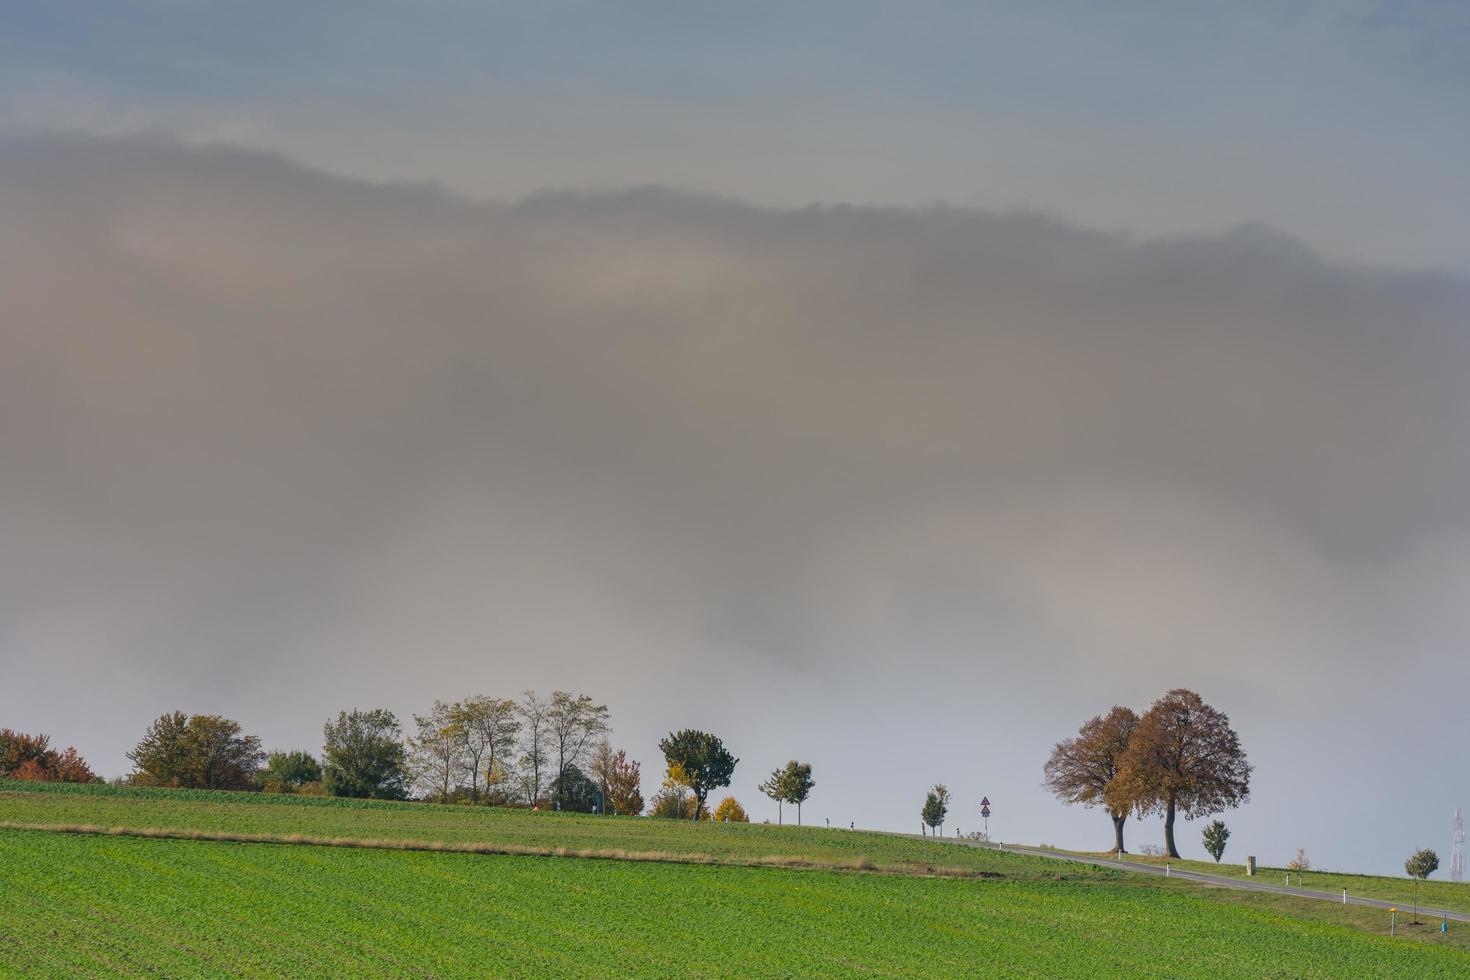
column 1242, row 884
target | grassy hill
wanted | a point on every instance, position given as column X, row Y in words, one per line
column 523, row 831
column 101, row 904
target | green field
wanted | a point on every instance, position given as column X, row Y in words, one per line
column 319, row 817
column 343, row 899
column 96, row 905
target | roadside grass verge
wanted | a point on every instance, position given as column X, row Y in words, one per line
column 1451, row 895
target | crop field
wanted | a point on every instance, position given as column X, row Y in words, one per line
column 100, row 905
column 327, row 818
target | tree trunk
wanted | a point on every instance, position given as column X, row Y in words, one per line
column 1169, row 831
column 779, row 820
column 1118, row 832
column 798, row 814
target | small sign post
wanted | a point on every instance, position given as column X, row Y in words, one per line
column 985, row 815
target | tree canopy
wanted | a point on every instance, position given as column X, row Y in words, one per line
column 1420, row 865
column 196, row 752
column 31, row 758
column 1182, row 758
column 704, row 760
column 288, row 772
column 1084, row 769
column 574, row 791
column 936, row 806
column 730, row 811
column 624, row 792
column 363, row 755
column 488, row 728
column 1215, row 837
column 792, row 783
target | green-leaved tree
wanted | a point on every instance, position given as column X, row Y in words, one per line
column 792, row 783
column 363, row 756
column 196, row 752
column 936, row 806
column 288, row 772
column 1420, row 865
column 705, row 762
column 1215, row 836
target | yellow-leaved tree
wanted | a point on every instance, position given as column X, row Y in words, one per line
column 730, row 811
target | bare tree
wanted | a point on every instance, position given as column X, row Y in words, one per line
column 436, row 752
column 1084, row 769
column 488, row 727
column 534, row 733
column 573, row 722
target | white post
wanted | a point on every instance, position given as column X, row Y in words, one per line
column 1166, row 869
column 1344, row 896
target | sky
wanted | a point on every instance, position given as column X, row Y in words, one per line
column 888, row 387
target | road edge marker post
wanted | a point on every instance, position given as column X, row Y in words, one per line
column 1393, row 921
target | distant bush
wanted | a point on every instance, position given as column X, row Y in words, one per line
column 730, row 811
column 287, row 772
column 30, row 758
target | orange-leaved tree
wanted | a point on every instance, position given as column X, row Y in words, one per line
column 31, row 758
column 1183, row 758
column 1084, row 769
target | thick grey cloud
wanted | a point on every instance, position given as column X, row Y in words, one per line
column 909, row 492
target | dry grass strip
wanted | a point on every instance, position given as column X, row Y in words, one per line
column 860, row 863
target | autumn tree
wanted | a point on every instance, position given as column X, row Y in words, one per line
column 488, row 728
column 705, row 761
column 599, row 766
column 436, row 752
column 18, row 748
column 730, row 811
column 288, row 772
column 70, row 767
column 196, row 752
column 936, row 806
column 1420, row 865
column 1084, row 769
column 573, row 722
column 363, row 755
column 31, row 758
column 1183, row 758
column 674, row 801
column 624, row 792
column 1215, row 837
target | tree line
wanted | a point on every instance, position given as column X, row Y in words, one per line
column 1180, row 757
column 534, row 752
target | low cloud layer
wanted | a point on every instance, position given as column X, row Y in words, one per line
column 908, row 492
